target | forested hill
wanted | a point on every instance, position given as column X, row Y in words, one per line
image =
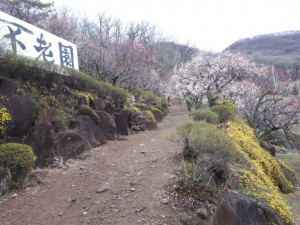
column 281, row 49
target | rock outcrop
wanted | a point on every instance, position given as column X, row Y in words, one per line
column 23, row 115
column 239, row 210
column 89, row 131
column 107, row 125
column 69, row 144
column 41, row 138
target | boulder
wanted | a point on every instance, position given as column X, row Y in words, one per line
column 107, row 125
column 98, row 102
column 69, row 144
column 239, row 210
column 23, row 115
column 145, row 123
column 122, row 118
column 3, row 183
column 7, row 87
column 158, row 115
column 109, row 108
column 41, row 139
column 89, row 131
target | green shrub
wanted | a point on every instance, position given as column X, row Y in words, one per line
column 206, row 140
column 196, row 181
column 206, row 115
column 164, row 102
column 137, row 93
column 225, row 111
column 209, row 153
column 147, row 97
column 17, row 160
column 86, row 110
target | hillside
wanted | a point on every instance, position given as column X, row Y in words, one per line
column 281, row 49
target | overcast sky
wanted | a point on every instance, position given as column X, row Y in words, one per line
column 206, row 24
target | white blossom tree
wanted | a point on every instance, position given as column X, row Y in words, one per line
column 268, row 104
column 207, row 75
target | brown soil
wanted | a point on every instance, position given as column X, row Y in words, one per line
column 121, row 182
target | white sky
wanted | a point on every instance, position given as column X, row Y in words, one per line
column 206, row 24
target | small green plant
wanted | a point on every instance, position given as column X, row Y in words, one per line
column 226, row 111
column 86, row 110
column 17, row 160
column 205, row 115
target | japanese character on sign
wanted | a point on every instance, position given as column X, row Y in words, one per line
column 66, row 55
column 13, row 33
column 43, row 47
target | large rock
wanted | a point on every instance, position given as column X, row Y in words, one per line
column 69, row 144
column 23, row 115
column 158, row 115
column 3, row 183
column 107, row 125
column 109, row 108
column 122, row 118
column 145, row 123
column 41, row 139
column 7, row 87
column 89, row 131
column 239, row 210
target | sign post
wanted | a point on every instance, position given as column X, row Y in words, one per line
column 25, row 39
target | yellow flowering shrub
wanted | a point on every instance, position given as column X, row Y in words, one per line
column 4, row 118
column 263, row 176
column 88, row 97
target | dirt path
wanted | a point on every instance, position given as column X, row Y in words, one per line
column 121, row 182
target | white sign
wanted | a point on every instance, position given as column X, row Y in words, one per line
column 25, row 39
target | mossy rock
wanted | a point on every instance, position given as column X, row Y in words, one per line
column 87, row 110
column 157, row 113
